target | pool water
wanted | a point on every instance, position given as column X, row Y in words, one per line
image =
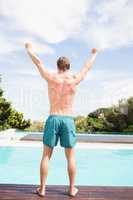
column 94, row 166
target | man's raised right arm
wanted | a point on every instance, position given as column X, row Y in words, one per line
column 81, row 75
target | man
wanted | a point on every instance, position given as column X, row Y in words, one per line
column 60, row 124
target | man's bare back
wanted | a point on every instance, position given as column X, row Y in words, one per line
column 61, row 92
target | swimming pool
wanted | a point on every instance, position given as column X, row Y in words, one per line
column 23, row 133
column 94, row 166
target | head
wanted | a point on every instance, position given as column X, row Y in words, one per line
column 63, row 64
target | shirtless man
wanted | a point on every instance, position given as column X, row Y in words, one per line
column 60, row 123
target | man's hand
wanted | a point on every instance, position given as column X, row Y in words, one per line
column 28, row 46
column 94, row 51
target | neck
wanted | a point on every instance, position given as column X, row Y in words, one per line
column 63, row 72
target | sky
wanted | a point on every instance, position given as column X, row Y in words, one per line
column 66, row 28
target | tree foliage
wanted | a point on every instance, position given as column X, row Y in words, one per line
column 9, row 117
column 117, row 118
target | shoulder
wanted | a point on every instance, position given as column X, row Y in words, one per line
column 54, row 77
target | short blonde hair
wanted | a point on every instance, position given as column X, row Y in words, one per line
column 63, row 63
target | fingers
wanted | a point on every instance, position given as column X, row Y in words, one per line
column 94, row 50
column 28, row 45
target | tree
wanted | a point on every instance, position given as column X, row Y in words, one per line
column 9, row 117
column 80, row 122
column 118, row 120
column 5, row 111
column 130, row 111
column 16, row 120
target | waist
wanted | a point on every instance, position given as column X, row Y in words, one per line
column 61, row 116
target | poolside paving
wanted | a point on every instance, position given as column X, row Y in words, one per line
column 56, row 192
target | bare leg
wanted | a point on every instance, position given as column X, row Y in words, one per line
column 47, row 152
column 71, row 166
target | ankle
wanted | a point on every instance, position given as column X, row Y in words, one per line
column 42, row 187
column 71, row 187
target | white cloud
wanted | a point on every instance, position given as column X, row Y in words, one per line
column 106, row 24
column 38, row 46
column 117, row 89
column 110, row 24
column 39, row 21
column 6, row 46
column 10, row 45
column 54, row 21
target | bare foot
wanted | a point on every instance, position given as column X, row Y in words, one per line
column 73, row 192
column 40, row 192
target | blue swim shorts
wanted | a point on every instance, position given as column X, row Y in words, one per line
column 59, row 127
